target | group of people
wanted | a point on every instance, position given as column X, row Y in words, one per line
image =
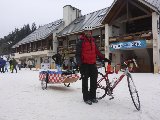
column 13, row 64
column 5, row 65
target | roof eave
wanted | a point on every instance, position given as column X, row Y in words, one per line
column 78, row 31
column 103, row 20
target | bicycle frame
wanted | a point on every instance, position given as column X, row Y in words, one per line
column 126, row 72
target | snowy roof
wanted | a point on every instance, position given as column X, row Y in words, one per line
column 152, row 3
column 41, row 33
column 92, row 19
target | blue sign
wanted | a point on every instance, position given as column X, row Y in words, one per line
column 128, row 45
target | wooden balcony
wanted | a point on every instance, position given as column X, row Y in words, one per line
column 144, row 35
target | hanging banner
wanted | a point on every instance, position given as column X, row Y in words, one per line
column 128, row 45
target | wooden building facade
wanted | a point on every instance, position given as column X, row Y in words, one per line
column 133, row 30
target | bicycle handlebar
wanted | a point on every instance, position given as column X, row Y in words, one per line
column 129, row 61
column 125, row 63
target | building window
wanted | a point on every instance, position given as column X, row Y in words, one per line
column 97, row 40
column 103, row 41
column 72, row 42
column 28, row 47
column 34, row 46
column 39, row 45
column 44, row 44
column 50, row 44
column 60, row 43
column 72, row 46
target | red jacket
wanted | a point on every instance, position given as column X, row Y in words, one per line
column 86, row 51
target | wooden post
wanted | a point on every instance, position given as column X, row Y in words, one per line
column 156, row 43
column 108, row 33
column 47, row 41
column 55, row 45
column 100, row 38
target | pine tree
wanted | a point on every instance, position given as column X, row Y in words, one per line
column 14, row 37
column 33, row 27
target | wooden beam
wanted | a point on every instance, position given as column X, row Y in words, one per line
column 115, row 26
column 140, row 7
column 127, row 11
column 135, row 18
column 115, row 15
column 112, row 11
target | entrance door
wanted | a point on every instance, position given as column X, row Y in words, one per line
column 141, row 66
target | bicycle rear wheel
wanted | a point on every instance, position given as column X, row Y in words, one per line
column 133, row 92
column 101, row 86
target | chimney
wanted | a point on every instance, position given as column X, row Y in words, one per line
column 70, row 14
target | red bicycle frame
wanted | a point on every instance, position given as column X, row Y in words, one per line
column 126, row 72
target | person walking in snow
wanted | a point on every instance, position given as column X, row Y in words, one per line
column 2, row 65
column 6, row 66
column 13, row 65
column 30, row 64
column 58, row 61
column 19, row 65
column 86, row 52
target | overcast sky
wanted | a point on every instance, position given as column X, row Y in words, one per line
column 16, row 13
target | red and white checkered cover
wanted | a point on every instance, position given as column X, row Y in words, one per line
column 42, row 76
column 57, row 78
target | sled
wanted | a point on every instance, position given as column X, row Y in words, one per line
column 51, row 77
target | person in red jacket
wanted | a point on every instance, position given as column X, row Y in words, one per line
column 86, row 53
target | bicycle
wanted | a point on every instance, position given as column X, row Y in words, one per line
column 108, row 87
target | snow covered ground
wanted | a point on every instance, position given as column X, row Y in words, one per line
column 21, row 98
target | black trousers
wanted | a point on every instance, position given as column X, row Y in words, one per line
column 89, row 71
column 2, row 69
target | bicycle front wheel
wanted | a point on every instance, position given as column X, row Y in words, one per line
column 133, row 92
